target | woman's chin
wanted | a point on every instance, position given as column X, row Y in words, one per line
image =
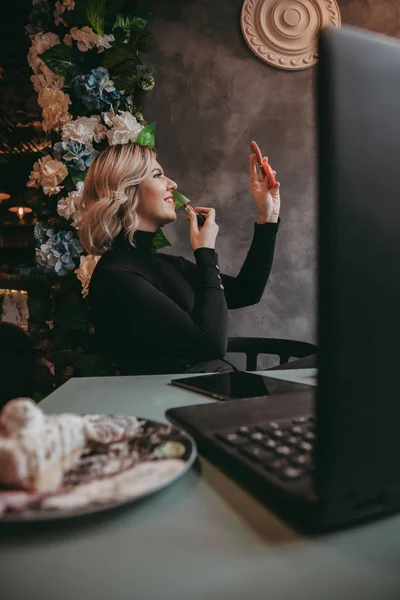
column 170, row 219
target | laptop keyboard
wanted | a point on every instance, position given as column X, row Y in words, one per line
column 283, row 447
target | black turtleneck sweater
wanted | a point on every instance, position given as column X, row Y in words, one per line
column 157, row 313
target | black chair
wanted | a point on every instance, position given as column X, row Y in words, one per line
column 253, row 346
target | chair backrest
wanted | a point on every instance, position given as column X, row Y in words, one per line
column 285, row 349
column 17, row 363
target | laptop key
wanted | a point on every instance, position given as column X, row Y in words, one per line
column 269, row 428
column 233, row 439
column 269, row 443
column 309, row 436
column 246, row 430
column 290, row 440
column 305, row 446
column 297, row 420
column 275, row 466
column 255, row 452
column 284, row 450
column 298, row 429
column 256, row 436
column 301, row 460
column 291, row 473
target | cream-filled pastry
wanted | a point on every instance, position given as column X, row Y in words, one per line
column 36, row 450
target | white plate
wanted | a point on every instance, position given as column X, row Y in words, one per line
column 158, row 455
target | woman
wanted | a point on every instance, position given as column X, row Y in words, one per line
column 153, row 312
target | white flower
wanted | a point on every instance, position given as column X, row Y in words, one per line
column 104, row 42
column 48, row 173
column 65, row 207
column 55, row 108
column 40, row 43
column 69, row 207
column 124, row 127
column 84, row 130
column 85, row 271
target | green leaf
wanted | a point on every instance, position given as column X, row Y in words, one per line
column 179, row 199
column 147, row 136
column 159, row 240
column 95, row 12
column 124, row 79
column 77, row 176
column 122, row 62
column 119, row 54
column 58, row 58
column 129, row 23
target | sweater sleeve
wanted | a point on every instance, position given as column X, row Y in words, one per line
column 201, row 335
column 249, row 285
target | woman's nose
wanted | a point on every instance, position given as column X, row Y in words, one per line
column 172, row 184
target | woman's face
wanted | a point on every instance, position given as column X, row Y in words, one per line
column 156, row 205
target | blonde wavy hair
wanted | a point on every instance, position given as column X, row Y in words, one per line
column 111, row 195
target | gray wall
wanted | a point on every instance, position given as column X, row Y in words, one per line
column 212, row 97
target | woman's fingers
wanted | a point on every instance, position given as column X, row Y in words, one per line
column 253, row 168
column 207, row 212
column 193, row 221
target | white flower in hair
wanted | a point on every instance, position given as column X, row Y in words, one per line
column 124, row 127
column 85, row 271
column 84, row 130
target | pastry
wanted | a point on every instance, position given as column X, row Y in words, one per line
column 35, row 450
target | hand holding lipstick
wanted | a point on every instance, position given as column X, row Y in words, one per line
column 205, row 236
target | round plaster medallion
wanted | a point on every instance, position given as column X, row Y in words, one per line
column 284, row 33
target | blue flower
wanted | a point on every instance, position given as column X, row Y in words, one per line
column 95, row 89
column 58, row 255
column 75, row 154
column 40, row 18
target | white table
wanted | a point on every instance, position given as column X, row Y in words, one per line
column 201, row 538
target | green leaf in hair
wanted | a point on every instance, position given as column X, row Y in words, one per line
column 147, row 137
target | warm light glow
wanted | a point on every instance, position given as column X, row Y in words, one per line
column 20, row 210
column 4, row 196
column 4, row 291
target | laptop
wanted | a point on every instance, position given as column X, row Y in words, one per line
column 330, row 458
